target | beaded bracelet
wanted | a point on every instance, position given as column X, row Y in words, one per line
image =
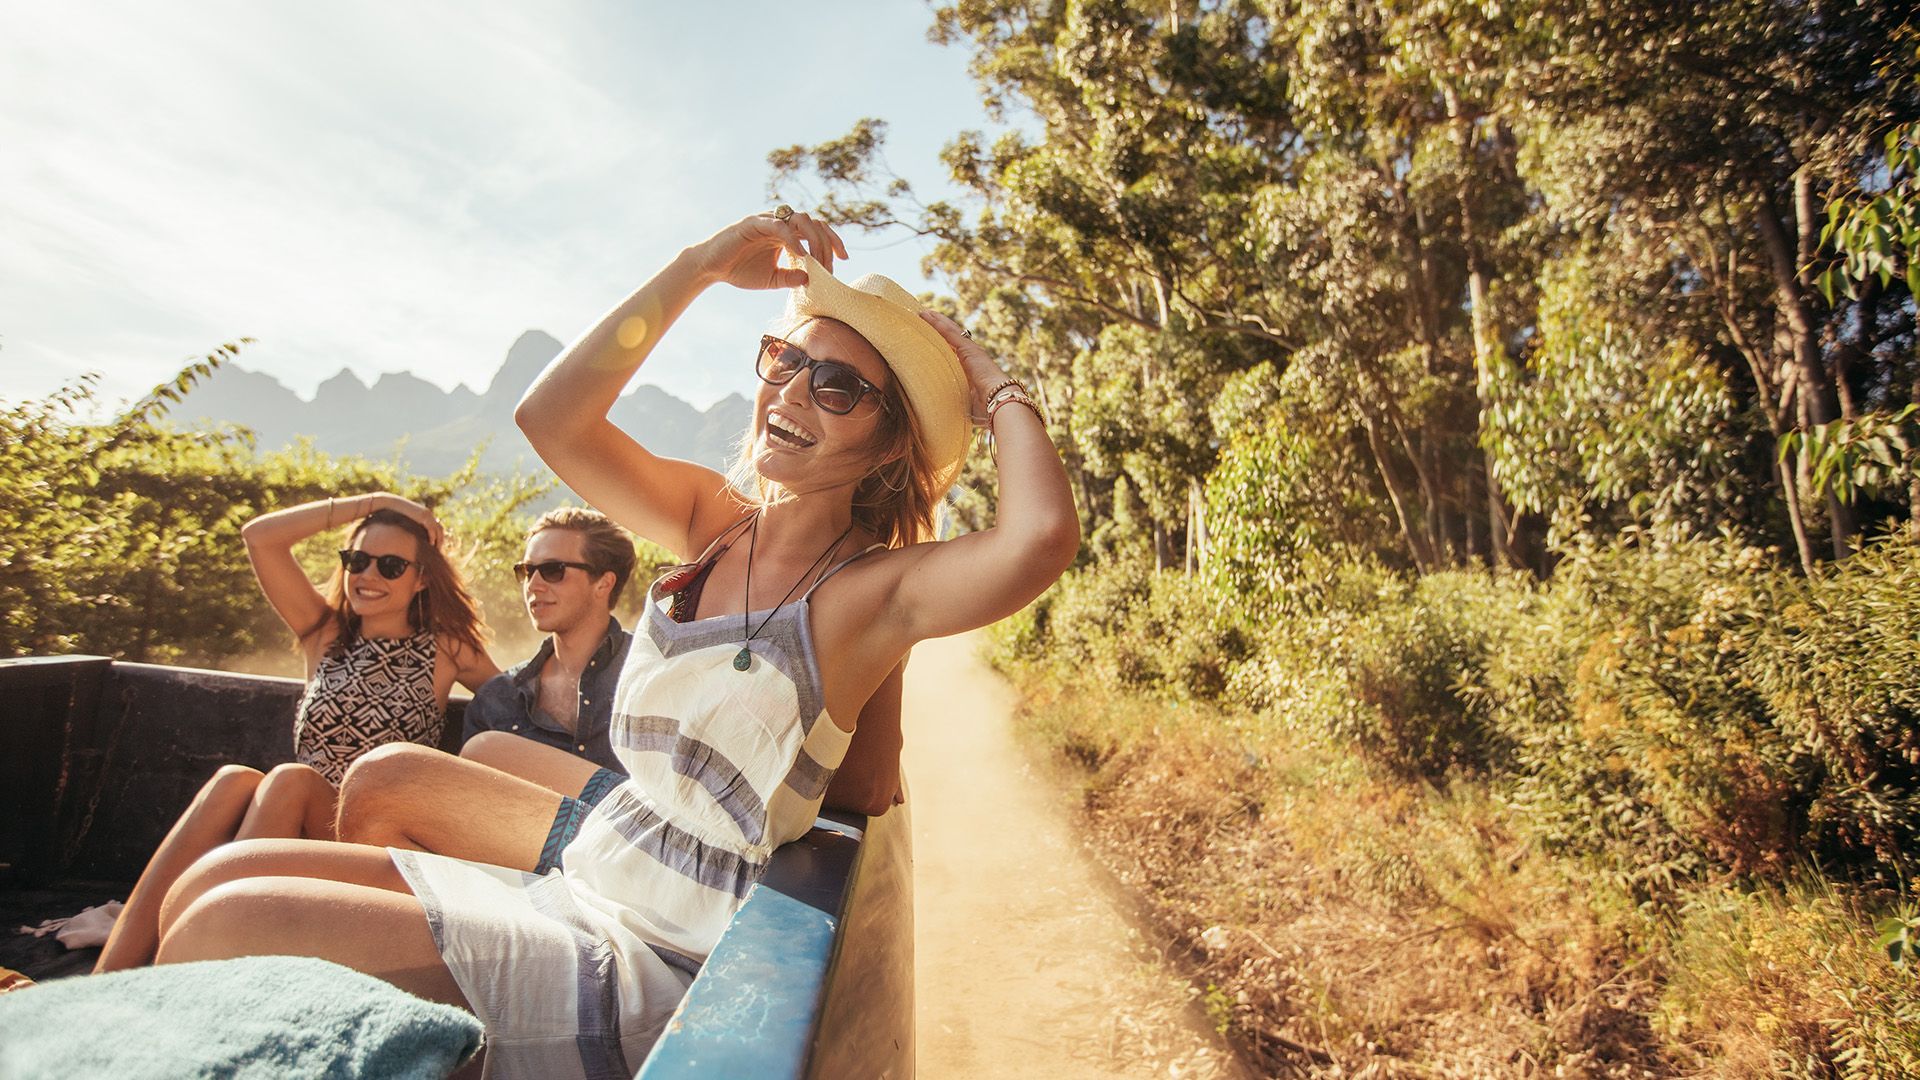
column 1001, row 385
column 1011, row 390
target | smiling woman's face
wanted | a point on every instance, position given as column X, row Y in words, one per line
column 801, row 446
column 372, row 595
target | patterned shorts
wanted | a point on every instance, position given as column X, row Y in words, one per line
column 573, row 811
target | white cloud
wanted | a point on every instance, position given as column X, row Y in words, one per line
column 385, row 186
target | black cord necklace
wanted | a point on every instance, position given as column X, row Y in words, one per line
column 743, row 659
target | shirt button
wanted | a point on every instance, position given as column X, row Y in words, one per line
column 583, row 748
column 586, row 701
column 516, row 727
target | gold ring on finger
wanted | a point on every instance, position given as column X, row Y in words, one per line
column 781, row 212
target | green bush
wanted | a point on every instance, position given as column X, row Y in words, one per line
column 122, row 538
column 1836, row 660
column 1379, row 660
column 1665, row 709
column 1789, row 983
column 1685, row 706
column 1128, row 625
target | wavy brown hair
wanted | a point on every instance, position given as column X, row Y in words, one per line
column 894, row 502
column 444, row 608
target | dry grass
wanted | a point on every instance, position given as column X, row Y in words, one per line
column 1343, row 924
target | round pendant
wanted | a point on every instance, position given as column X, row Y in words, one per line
column 743, row 659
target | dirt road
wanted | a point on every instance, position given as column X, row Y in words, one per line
column 1027, row 964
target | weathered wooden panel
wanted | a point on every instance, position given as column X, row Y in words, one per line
column 40, row 700
column 98, row 757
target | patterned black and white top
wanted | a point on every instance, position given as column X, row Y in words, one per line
column 367, row 693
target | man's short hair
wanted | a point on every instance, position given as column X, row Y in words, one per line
column 609, row 547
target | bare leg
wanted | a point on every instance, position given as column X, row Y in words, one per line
column 378, row 931
column 293, row 801
column 236, row 802
column 353, row 864
column 212, row 819
column 413, row 797
column 544, row 765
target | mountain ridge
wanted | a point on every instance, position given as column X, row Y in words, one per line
column 435, row 431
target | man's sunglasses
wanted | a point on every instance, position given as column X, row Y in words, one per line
column 356, row 562
column 550, row 571
column 834, row 386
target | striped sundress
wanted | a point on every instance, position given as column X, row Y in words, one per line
column 575, row 972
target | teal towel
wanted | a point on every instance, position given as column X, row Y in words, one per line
column 258, row 1016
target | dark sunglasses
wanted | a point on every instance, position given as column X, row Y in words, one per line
column 833, row 386
column 551, row 571
column 356, row 562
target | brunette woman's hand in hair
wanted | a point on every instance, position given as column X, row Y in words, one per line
column 747, row 254
column 405, row 507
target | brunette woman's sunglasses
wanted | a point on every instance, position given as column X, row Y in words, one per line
column 356, row 562
column 550, row 571
column 833, row 386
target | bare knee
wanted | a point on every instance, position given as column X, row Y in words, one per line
column 230, row 786
column 223, row 864
column 295, row 785
column 216, row 923
column 373, row 793
column 293, row 800
column 491, row 747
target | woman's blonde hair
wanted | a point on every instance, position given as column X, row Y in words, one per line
column 444, row 608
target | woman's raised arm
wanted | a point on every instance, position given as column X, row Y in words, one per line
column 270, row 539
column 982, row 577
column 677, row 504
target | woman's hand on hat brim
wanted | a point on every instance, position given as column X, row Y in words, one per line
column 983, row 372
column 747, row 254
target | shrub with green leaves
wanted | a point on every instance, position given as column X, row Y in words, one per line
column 122, row 537
column 1836, row 660
column 1791, row 983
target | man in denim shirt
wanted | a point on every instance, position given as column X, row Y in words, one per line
column 577, row 563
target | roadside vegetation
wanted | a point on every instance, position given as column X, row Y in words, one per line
column 1655, row 816
column 1494, row 424
column 121, row 536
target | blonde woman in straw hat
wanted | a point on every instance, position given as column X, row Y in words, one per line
column 804, row 586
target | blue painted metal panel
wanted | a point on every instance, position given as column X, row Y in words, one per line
column 755, row 1008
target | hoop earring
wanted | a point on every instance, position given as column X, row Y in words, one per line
column 420, row 609
column 883, row 478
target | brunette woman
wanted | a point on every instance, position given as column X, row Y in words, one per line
column 383, row 647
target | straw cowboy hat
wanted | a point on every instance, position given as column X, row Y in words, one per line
column 928, row 370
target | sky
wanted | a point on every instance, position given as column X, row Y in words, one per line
column 409, row 186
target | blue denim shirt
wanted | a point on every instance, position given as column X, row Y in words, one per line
column 510, row 702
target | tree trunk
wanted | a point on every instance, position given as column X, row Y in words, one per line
column 1815, row 389
column 1913, row 479
column 1776, row 423
column 1397, row 495
column 1196, row 525
column 1426, row 318
column 1484, row 334
column 1858, row 349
